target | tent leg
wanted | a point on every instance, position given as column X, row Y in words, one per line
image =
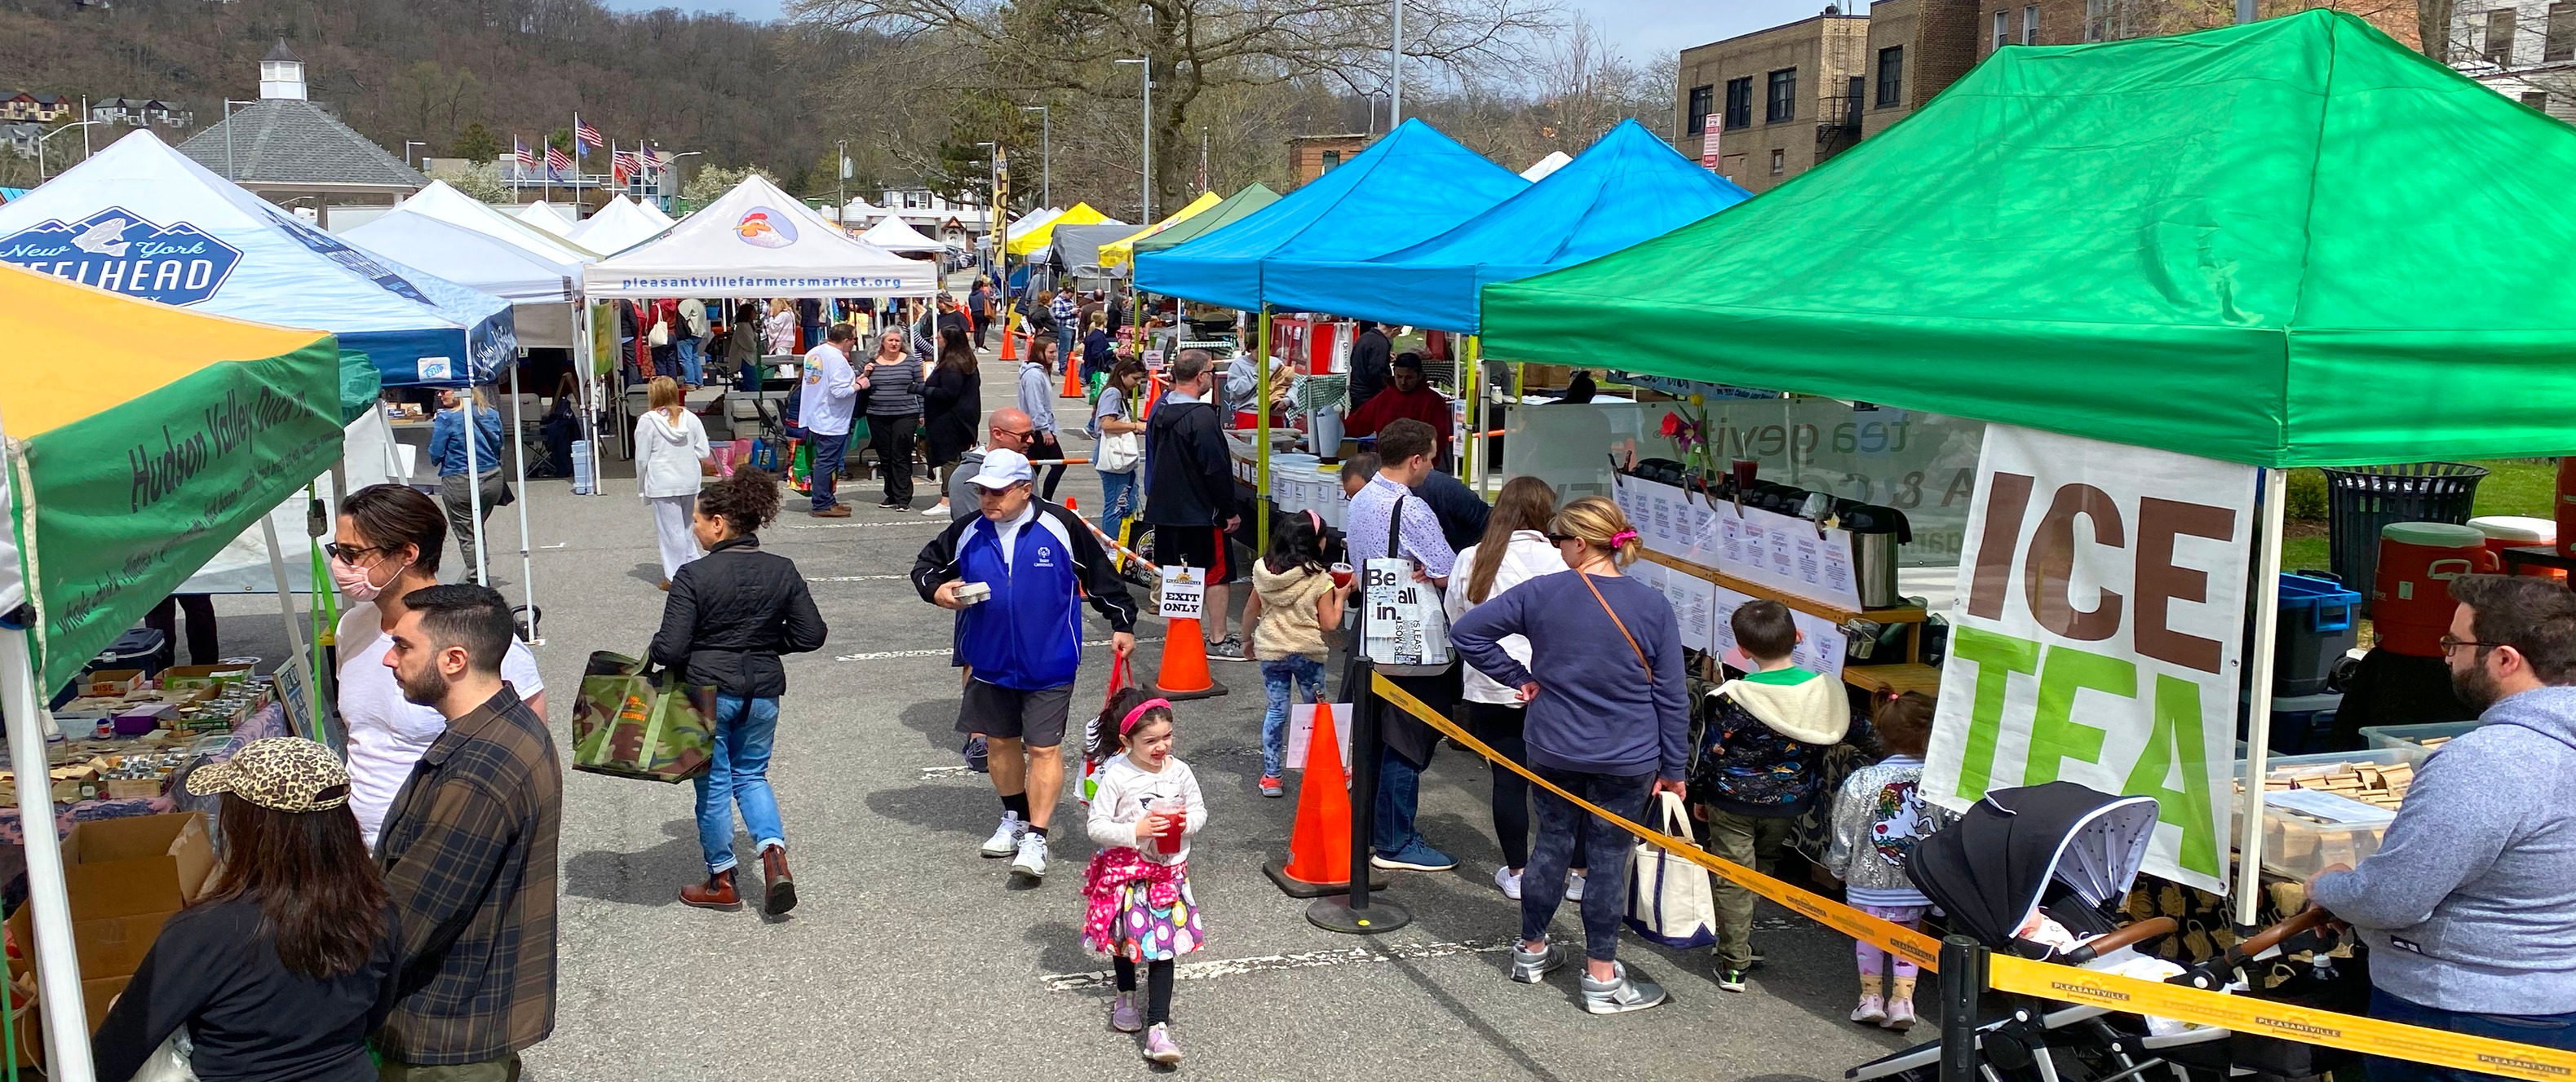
column 1470, row 449
column 1261, row 470
column 586, row 396
column 527, row 566
column 286, row 608
column 2258, row 725
column 57, row 969
column 474, row 485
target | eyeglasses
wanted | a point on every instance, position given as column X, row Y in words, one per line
column 1020, row 435
column 2451, row 642
column 348, row 554
column 1561, row 538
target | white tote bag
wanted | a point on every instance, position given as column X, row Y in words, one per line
column 1671, row 900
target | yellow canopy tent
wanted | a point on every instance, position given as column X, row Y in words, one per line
column 1116, row 254
column 1040, row 237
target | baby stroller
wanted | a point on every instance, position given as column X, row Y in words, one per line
column 2069, row 854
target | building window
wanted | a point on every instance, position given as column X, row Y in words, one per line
column 1703, row 100
column 2096, row 12
column 2030, row 24
column 2560, row 41
column 2003, row 29
column 1739, row 103
column 1781, row 102
column 2537, row 99
column 1779, row 162
column 2499, row 49
column 1891, row 76
column 1331, row 159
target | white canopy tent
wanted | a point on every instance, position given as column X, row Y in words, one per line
column 549, row 217
column 654, row 211
column 896, row 235
column 1555, row 160
column 441, row 200
column 857, row 212
column 620, row 225
column 757, row 241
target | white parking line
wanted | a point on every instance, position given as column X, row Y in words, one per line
column 857, row 578
column 941, row 523
column 888, row 655
column 1273, row 963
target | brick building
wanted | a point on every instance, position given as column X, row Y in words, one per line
column 1788, row 97
column 1311, row 156
column 2072, row 22
column 1917, row 48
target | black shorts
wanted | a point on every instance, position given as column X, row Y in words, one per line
column 1196, row 546
column 1034, row 718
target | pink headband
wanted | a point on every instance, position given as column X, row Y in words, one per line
column 1139, row 712
column 1315, row 520
column 1622, row 537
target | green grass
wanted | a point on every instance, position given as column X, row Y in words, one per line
column 2512, row 486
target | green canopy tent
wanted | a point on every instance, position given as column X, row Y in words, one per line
column 2230, row 244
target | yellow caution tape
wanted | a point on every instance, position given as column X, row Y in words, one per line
column 2049, row 980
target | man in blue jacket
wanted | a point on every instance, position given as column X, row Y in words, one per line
column 2469, row 906
column 1021, row 643
column 464, row 486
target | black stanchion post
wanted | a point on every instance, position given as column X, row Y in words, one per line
column 1357, row 913
column 1963, row 979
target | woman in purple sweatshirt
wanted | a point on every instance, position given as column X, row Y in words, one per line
column 1608, row 721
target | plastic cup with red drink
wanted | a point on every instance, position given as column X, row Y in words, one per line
column 1341, row 576
column 1175, row 813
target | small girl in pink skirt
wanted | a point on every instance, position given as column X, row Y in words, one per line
column 1138, row 885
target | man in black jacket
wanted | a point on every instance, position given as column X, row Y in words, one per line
column 1189, row 488
column 1371, row 361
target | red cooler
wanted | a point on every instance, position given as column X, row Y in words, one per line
column 2514, row 532
column 2411, row 602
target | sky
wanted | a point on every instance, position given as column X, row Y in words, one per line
column 1642, row 29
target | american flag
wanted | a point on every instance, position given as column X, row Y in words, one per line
column 556, row 160
column 520, row 153
column 584, row 134
column 623, row 165
column 652, row 157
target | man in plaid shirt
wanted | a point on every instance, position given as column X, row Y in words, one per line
column 469, row 852
column 1066, row 326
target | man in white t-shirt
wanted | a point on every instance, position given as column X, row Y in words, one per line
column 387, row 545
column 831, row 392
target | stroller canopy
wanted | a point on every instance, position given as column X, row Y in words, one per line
column 1993, row 868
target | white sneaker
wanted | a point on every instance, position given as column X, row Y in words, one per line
column 1033, row 855
column 1006, row 838
column 1509, row 882
column 940, row 511
column 1573, row 888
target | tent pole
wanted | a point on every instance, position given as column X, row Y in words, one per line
column 1261, row 471
column 57, row 968
column 286, row 608
column 2258, row 725
column 474, row 483
column 1470, row 450
column 519, row 449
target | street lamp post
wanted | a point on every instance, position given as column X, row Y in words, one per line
column 1395, row 71
column 40, row 145
column 1146, row 205
column 231, row 173
column 1046, row 153
column 841, row 183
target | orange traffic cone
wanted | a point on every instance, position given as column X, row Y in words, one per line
column 1008, row 353
column 1319, row 845
column 1184, row 674
column 1072, row 379
column 1153, row 394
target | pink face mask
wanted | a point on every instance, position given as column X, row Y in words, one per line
column 356, row 584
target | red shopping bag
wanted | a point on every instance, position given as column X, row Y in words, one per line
column 1118, row 679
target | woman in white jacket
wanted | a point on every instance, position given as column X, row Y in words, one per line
column 670, row 449
column 1514, row 549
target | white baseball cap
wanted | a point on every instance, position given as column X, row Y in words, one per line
column 1003, row 468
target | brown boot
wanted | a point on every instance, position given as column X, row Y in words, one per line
column 716, row 893
column 782, row 887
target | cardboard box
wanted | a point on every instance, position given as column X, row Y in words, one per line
column 192, row 677
column 111, row 682
column 125, row 877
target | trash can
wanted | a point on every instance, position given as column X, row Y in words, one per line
column 2361, row 500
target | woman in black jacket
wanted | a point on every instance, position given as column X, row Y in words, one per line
column 952, row 404
column 731, row 613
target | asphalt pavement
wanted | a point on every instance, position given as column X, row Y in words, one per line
column 910, row 956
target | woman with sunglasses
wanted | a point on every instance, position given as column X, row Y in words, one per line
column 385, row 546
column 1609, row 721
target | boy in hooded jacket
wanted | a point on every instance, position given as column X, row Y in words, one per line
column 1767, row 734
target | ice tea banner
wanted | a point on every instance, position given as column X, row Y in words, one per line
column 2098, row 634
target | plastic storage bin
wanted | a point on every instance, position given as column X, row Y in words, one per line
column 2316, row 629
column 2304, row 834
column 2409, row 739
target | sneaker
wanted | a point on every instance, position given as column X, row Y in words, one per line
column 1229, row 648
column 1574, row 888
column 940, row 511
column 1509, row 882
column 1900, row 1015
column 1033, row 855
column 1731, row 980
column 1159, row 1047
column 1621, row 993
column 1417, row 857
column 1872, row 1009
column 1531, row 968
column 893, row 505
column 1271, row 786
column 1006, row 838
column 1124, row 1015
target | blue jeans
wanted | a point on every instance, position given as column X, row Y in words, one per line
column 828, row 453
column 692, row 363
column 1064, row 339
column 2545, row 1030
column 1275, row 677
column 1560, row 823
column 1117, row 502
column 1399, row 794
column 738, row 775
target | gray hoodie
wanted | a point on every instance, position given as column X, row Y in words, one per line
column 2470, row 903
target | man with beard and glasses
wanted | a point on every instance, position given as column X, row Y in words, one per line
column 468, row 851
column 2469, row 906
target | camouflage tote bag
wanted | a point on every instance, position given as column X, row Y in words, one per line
column 634, row 721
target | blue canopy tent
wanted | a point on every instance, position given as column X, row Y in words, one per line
column 1629, row 187
column 1410, row 186
column 144, row 220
